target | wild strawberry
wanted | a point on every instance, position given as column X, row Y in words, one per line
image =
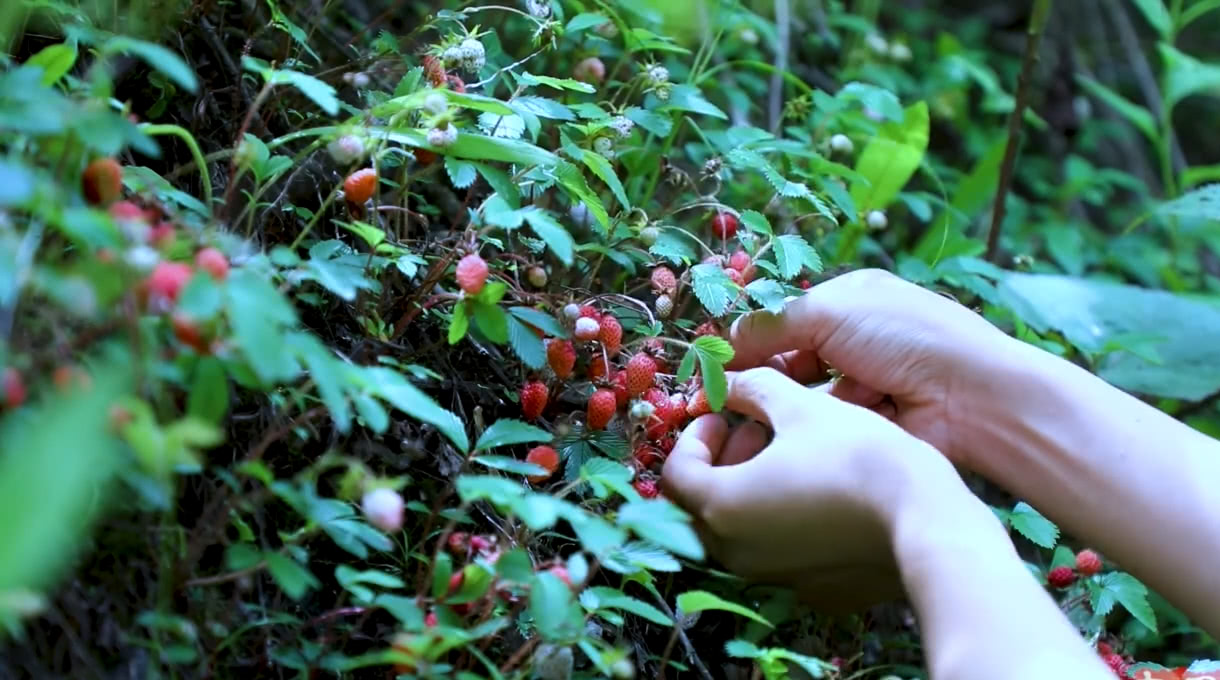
column 14, row 388
column 654, row 346
column 586, row 329
column 161, row 235
column 383, row 508
column 698, row 406
column 536, row 276
column 213, row 262
column 590, row 70
column 167, row 280
column 430, row 620
column 677, row 411
column 841, row 144
column 1061, row 577
column 739, row 260
column 641, row 411
column 127, row 211
column 724, row 225
column 533, row 399
column 561, row 356
column 102, row 181
column 805, row 284
column 664, row 281
column 471, row 273
column 546, row 458
column 1116, row 664
column 571, row 311
column 424, row 156
column 359, row 186
column 1104, row 648
column 664, row 306
column 647, row 488
column 707, row 328
column 188, row 333
column 659, row 425
column 621, row 396
column 1087, row 562
column 666, row 444
column 717, row 260
column 646, row 456
column 561, row 573
column 458, row 542
column 641, row 374
column 734, row 276
column 481, row 544
column 590, row 312
column 598, row 367
column 456, row 579
column 611, row 334
column 750, row 273
column 602, row 406
column 649, row 235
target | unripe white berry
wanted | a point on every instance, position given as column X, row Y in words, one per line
column 841, row 144
column 383, row 508
column 473, row 55
column 622, row 669
column 641, row 410
column 571, row 311
column 877, row 220
column 657, row 74
column 537, row 276
column 443, row 136
column 622, row 125
column 539, row 9
column 649, row 235
column 664, row 306
column 900, row 52
column 579, row 212
column 586, row 329
column 877, row 44
column 604, row 146
column 436, row 103
column 360, row 80
column 346, row 150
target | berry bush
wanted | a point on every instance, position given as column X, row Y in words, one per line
column 348, row 339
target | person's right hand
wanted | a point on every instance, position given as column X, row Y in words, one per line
column 904, row 351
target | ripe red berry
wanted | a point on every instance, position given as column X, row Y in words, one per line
column 480, row 543
column 102, row 181
column 735, row 276
column 666, row 444
column 1104, row 648
column 598, row 367
column 359, row 186
column 646, row 456
column 586, row 329
column 739, row 261
column 806, row 284
column 161, row 235
column 533, row 399
column 664, row 281
column 610, row 334
column 561, row 573
column 424, row 156
column 724, row 225
column 647, row 488
column 677, row 411
column 750, row 273
column 126, row 211
column 602, row 405
column 546, row 458
column 659, row 425
column 167, row 280
column 641, row 374
column 590, row 312
column 698, row 406
column 430, row 620
column 707, row 328
column 1116, row 664
column 213, row 262
column 561, row 356
column 14, row 388
column 458, row 542
column 1087, row 562
column 1061, row 577
column 188, row 333
column 621, row 396
column 471, row 273
column 456, row 579
column 590, row 70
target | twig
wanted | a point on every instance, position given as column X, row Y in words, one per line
column 679, row 634
column 783, row 27
column 1037, row 22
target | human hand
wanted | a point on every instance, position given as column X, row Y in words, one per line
column 912, row 355
column 813, row 508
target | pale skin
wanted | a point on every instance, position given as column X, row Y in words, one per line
column 850, row 491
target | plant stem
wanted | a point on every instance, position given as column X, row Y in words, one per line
column 1037, row 21
column 196, row 153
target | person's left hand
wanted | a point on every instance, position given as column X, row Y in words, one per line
column 813, row 508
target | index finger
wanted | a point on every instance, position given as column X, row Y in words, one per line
column 760, row 335
column 689, row 477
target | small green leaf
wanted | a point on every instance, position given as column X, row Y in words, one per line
column 491, row 320
column 506, row 464
column 554, row 611
column 459, row 324
column 612, row 598
column 715, row 384
column 55, row 61
column 767, row 293
column 1032, row 525
column 506, row 432
column 1126, row 590
column 294, row 579
column 651, row 121
column 541, row 107
column 686, row 97
column 663, row 523
column 157, row 57
column 209, row 396
column 528, row 346
column 1202, row 203
column 602, row 168
column 1158, row 17
column 890, row 159
column 1186, row 75
column 713, row 288
column 793, row 253
column 395, row 389
column 1135, row 114
column 756, row 222
column 687, row 368
column 715, row 348
column 551, row 232
column 541, row 320
column 700, row 600
column 528, row 78
column 461, row 173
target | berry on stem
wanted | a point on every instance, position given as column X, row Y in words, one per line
column 647, row 488
column 664, row 282
column 739, row 261
column 536, row 276
column 102, row 181
column 641, row 374
column 586, row 329
column 620, row 389
column 598, row 367
column 546, row 458
column 561, row 356
column 610, row 332
column 590, row 70
column 1061, row 577
column 359, row 186
column 664, row 306
column 533, row 399
column 724, row 225
column 698, row 406
column 383, row 508
column 213, row 262
column 1087, row 562
column 167, row 280
column 601, row 408
column 646, row 456
column 471, row 273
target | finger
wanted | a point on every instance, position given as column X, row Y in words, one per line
column 766, row 395
column 744, row 442
column 886, row 409
column 758, row 336
column 688, row 477
column 802, row 365
column 847, row 389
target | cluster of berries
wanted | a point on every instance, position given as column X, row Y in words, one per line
column 1087, row 564
column 1118, row 663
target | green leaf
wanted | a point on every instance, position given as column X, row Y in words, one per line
column 634, row 556
column 319, row 92
column 674, row 245
column 756, row 222
column 687, row 368
column 459, row 324
column 713, row 288
column 395, row 389
column 476, row 579
column 686, row 97
column 491, row 320
column 507, row 464
column 541, row 107
column 700, row 600
column 876, row 99
column 767, row 293
column 661, row 522
column 1032, row 525
column 258, row 313
column 506, row 432
column 1126, row 590
column 157, row 57
column 515, row 566
column 338, row 268
column 584, row 20
column 793, row 253
column 528, row 78
column 405, row 609
column 1135, row 114
column 541, row 320
column 292, row 578
column 55, row 61
column 1158, row 17
column 602, row 168
column 605, row 475
column 496, row 490
column 501, row 183
column 555, row 613
column 715, row 384
column 601, row 597
column 890, row 159
column 1186, row 76
column 17, row 187
column 551, row 232
column 528, row 346
column 461, row 173
column 1202, row 203
column 714, row 348
column 651, row 121
column 209, row 396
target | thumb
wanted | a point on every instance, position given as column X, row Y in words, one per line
column 689, row 478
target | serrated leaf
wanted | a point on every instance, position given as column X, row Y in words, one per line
column 528, row 346
column 612, row 598
column 634, row 556
column 661, row 522
column 528, row 78
column 292, row 578
column 506, row 464
column 541, row 107
column 756, row 222
column 502, row 183
column 459, row 323
column 715, row 383
column 461, row 173
column 714, row 347
column 686, row 97
column 400, row 393
column 687, row 368
column 700, row 600
column 793, row 253
column 1124, row 589
column 673, row 245
column 651, row 121
column 491, row 320
column 506, row 432
column 602, row 168
column 1202, row 203
column 713, row 288
column 1032, row 525
column 605, row 475
column 552, row 232
column 541, row 320
column 767, row 293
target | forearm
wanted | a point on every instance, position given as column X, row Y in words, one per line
column 974, row 597
column 1125, row 477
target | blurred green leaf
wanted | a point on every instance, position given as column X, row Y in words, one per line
column 890, row 159
column 506, row 432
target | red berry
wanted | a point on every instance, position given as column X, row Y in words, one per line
column 1104, row 648
column 561, row 355
column 590, row 312
column 471, row 273
column 533, row 399
column 750, row 273
column 610, row 334
column 590, row 70
column 458, row 541
column 359, row 186
column 455, row 581
column 724, row 225
column 620, row 389
column 739, row 261
column 167, row 280
column 14, row 388
column 698, row 406
column 646, row 456
column 424, row 156
column 641, row 374
column 162, row 234
column 1061, row 577
column 213, row 262
column 546, row 458
column 586, row 329
column 430, row 620
column 806, row 284
column 659, row 425
column 735, row 276
column 188, row 333
column 666, row 444
column 102, row 181
column 1116, row 664
column 602, row 405
column 647, row 488
column 480, row 543
column 664, row 281
column 707, row 328
column 598, row 368
column 677, row 411
column 561, row 573
column 1087, row 562
column 127, row 211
